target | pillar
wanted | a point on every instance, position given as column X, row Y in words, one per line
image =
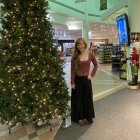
column 85, row 26
column 134, row 23
column 133, row 15
column 85, row 29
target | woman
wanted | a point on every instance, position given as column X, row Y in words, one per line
column 82, row 97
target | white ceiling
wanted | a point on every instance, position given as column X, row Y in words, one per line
column 97, row 30
column 113, row 16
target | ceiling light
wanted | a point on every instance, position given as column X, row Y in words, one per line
column 72, row 27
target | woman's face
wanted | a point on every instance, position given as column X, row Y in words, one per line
column 81, row 46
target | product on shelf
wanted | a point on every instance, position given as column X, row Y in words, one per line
column 105, row 53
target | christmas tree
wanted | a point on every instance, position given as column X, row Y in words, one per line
column 32, row 83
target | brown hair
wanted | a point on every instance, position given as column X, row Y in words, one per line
column 76, row 52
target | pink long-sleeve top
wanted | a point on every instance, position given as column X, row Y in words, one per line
column 84, row 68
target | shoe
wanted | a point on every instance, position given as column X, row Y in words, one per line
column 81, row 122
column 86, row 121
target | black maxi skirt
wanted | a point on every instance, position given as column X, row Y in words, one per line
column 82, row 100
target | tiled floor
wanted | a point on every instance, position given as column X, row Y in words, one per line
column 31, row 132
column 104, row 83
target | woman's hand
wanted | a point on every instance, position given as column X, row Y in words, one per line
column 73, row 86
column 89, row 77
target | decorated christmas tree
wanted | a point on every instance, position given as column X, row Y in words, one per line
column 32, row 83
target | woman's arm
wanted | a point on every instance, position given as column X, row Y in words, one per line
column 72, row 73
column 95, row 63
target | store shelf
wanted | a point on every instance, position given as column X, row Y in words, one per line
column 105, row 52
column 123, row 68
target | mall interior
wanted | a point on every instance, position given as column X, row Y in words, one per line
column 111, row 29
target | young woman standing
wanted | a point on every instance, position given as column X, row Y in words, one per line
column 82, row 96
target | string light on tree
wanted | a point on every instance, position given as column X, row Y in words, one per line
column 31, row 72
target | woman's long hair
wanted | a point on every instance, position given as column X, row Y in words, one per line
column 76, row 52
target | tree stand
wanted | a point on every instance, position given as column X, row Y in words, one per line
column 134, row 83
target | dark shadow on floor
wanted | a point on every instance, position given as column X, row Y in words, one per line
column 76, row 129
